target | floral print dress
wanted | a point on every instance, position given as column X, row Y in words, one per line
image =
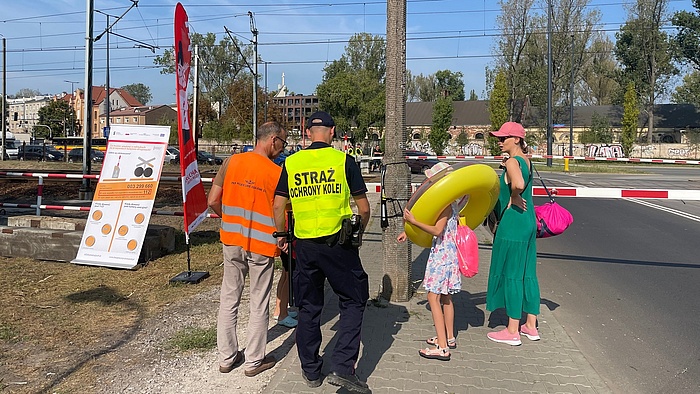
column 442, row 274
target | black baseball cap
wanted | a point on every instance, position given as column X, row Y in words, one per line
column 320, row 118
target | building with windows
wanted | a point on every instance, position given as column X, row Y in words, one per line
column 118, row 98
column 293, row 110
column 142, row 115
column 24, row 115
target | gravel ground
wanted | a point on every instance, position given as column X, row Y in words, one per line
column 145, row 365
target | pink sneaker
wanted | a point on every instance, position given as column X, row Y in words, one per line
column 532, row 335
column 504, row 336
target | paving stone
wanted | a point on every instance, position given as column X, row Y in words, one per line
column 393, row 334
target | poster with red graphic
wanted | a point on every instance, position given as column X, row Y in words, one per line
column 194, row 199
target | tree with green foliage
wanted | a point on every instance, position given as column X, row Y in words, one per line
column 462, row 139
column 687, row 40
column 57, row 115
column 220, row 64
column 600, row 131
column 644, row 53
column 427, row 88
column 599, row 85
column 442, row 120
column 689, row 91
column 630, row 120
column 173, row 139
column 421, row 88
column 521, row 51
column 352, row 90
column 450, row 83
column 473, row 96
column 693, row 139
column 141, row 92
column 499, row 107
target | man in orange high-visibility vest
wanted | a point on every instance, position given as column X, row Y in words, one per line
column 242, row 195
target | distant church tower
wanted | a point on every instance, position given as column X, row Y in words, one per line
column 281, row 89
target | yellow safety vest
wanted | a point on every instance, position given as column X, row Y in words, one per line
column 319, row 191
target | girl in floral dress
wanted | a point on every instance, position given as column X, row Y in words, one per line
column 442, row 279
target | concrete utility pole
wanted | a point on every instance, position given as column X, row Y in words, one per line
column 254, row 30
column 107, row 102
column 396, row 284
column 85, row 193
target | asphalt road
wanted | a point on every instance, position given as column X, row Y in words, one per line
column 624, row 282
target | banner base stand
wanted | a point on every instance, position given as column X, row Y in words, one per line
column 190, row 277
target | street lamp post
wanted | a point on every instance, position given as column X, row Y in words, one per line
column 72, row 105
column 48, row 127
column 254, row 31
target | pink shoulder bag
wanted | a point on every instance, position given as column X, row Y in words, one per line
column 552, row 218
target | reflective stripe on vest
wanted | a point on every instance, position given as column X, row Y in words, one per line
column 319, row 191
column 256, row 219
column 246, row 205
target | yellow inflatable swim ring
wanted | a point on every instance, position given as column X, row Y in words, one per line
column 478, row 182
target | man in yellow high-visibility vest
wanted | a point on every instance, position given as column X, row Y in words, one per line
column 319, row 181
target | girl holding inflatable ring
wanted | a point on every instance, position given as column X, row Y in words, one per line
column 513, row 283
column 442, row 277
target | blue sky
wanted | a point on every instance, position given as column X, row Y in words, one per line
column 46, row 39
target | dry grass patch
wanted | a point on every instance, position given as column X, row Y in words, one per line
column 57, row 318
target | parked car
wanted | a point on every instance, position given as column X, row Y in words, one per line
column 39, row 152
column 11, row 150
column 418, row 166
column 76, row 155
column 172, row 155
column 207, row 158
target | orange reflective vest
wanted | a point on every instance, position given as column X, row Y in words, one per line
column 246, row 205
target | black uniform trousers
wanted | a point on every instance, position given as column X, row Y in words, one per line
column 341, row 265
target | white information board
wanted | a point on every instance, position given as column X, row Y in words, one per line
column 124, row 196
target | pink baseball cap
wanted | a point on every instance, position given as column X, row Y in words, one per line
column 510, row 129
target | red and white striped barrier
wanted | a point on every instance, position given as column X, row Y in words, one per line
column 584, row 192
column 47, row 175
column 87, row 209
column 594, row 192
column 49, row 207
column 81, row 176
column 587, row 158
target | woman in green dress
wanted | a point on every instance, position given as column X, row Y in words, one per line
column 513, row 281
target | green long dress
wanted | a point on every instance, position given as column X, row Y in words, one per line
column 513, row 273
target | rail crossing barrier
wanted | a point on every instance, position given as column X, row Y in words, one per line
column 586, row 192
column 585, row 158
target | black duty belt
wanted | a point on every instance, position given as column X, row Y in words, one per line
column 329, row 240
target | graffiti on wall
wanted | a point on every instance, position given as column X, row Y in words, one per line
column 604, row 150
column 420, row 146
column 680, row 152
column 473, row 150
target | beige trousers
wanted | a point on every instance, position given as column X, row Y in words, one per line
column 238, row 263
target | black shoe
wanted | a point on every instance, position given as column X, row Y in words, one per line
column 349, row 382
column 313, row 383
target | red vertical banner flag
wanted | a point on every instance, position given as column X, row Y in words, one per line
column 194, row 199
